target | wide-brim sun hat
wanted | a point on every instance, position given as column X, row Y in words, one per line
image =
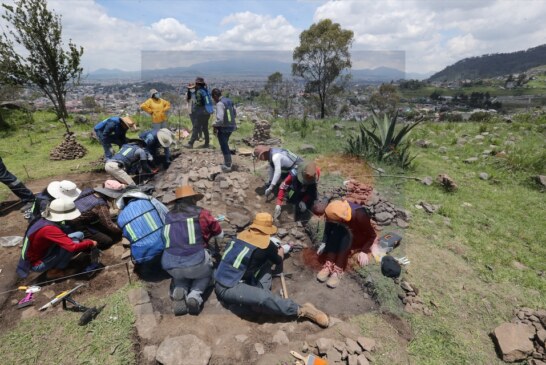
column 165, row 137
column 260, row 149
column 254, row 237
column 63, row 189
column 338, row 211
column 152, row 92
column 263, row 222
column 129, row 122
column 110, row 193
column 307, row 173
column 61, row 209
column 186, row 191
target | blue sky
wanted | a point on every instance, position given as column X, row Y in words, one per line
column 432, row 34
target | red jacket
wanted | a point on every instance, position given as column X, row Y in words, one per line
column 209, row 225
column 43, row 239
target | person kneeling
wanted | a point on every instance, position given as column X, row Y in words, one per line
column 244, row 275
column 188, row 229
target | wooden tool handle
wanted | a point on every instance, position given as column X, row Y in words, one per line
column 283, row 284
column 297, row 356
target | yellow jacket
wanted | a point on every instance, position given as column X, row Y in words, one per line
column 156, row 108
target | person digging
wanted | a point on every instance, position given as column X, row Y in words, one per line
column 281, row 162
column 244, row 274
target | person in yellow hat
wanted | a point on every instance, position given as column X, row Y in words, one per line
column 244, row 275
column 157, row 108
column 187, row 233
column 348, row 232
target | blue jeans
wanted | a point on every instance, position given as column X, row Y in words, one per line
column 57, row 257
column 106, row 142
column 223, row 135
column 157, row 126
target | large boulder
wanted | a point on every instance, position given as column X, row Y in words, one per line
column 514, row 341
column 183, row 350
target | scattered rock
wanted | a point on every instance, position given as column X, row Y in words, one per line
column 281, row 338
column 241, row 338
column 367, row 344
column 427, row 181
column 29, row 312
column 183, row 350
column 337, row 126
column 324, row 344
column 484, row 176
column 513, row 341
column 333, row 356
column 307, row 148
column 362, row 360
column 470, row 160
column 479, row 137
column 281, row 232
column 352, row 346
column 447, row 182
column 138, row 296
column 259, row 348
column 429, row 208
column 148, row 354
column 442, row 150
column 541, row 179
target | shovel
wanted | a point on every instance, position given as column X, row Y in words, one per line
column 309, row 359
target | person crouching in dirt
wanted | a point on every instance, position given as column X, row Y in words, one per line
column 133, row 159
column 95, row 220
column 54, row 190
column 155, row 138
column 187, row 232
column 47, row 246
column 348, row 232
column 244, row 277
column 113, row 130
column 300, row 189
column 224, row 125
column 281, row 161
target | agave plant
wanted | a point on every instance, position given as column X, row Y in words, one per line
column 382, row 142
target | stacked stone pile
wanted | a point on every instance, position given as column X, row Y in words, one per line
column 524, row 337
column 262, row 134
column 69, row 149
column 352, row 351
column 411, row 300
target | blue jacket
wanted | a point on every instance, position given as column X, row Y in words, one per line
column 111, row 128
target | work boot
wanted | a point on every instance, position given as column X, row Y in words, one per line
column 193, row 306
column 225, row 168
column 335, row 277
column 179, row 302
column 27, row 206
column 325, row 272
column 206, row 145
column 309, row 311
column 188, row 145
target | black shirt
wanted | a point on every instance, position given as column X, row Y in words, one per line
column 260, row 257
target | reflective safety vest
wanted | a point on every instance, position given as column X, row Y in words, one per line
column 23, row 267
column 142, row 225
column 234, row 263
column 292, row 156
column 229, row 112
column 127, row 155
column 87, row 200
column 182, row 232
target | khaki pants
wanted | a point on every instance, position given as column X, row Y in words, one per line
column 112, row 167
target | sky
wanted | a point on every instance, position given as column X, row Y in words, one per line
column 432, row 33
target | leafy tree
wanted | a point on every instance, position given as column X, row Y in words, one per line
column 89, row 102
column 436, row 94
column 321, row 57
column 385, row 99
column 273, row 87
column 46, row 63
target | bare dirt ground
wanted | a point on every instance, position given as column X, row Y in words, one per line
column 230, row 332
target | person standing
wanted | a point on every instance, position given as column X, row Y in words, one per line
column 203, row 109
column 17, row 187
column 132, row 158
column 157, row 108
column 187, row 232
column 113, row 130
column 224, row 125
column 190, row 103
column 244, row 275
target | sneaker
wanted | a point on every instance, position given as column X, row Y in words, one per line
column 335, row 277
column 193, row 306
column 309, row 311
column 188, row 145
column 180, row 306
column 27, row 207
column 225, row 168
column 325, row 272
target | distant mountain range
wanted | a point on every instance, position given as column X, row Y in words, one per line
column 240, row 68
column 491, row 65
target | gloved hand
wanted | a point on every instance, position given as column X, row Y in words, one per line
column 277, row 213
column 302, row 207
column 362, row 259
column 321, row 248
column 269, row 190
column 402, row 260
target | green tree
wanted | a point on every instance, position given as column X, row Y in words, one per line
column 321, row 57
column 385, row 99
column 46, row 64
column 274, row 87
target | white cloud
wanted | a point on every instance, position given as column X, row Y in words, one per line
column 435, row 34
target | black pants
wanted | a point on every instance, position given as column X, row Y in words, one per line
column 15, row 185
column 201, row 125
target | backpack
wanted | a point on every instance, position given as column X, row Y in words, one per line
column 207, row 100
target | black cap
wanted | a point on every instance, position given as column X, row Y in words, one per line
column 390, row 267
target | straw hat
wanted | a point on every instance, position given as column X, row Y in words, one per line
column 259, row 150
column 63, row 189
column 165, row 137
column 185, row 191
column 307, row 173
column 264, row 223
column 129, row 123
column 259, row 231
column 191, row 85
column 339, row 211
column 61, row 209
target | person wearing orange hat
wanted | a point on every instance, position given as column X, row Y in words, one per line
column 299, row 188
column 244, row 278
column 157, row 108
column 281, row 161
column 348, row 232
column 187, row 233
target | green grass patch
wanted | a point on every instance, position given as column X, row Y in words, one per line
column 58, row 339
